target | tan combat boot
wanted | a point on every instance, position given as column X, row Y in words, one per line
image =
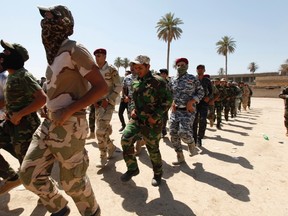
column 192, row 149
column 111, row 150
column 91, row 135
column 180, row 159
column 102, row 162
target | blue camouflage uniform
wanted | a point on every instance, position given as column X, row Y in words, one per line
column 184, row 88
column 127, row 83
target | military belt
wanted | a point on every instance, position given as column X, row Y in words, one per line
column 181, row 108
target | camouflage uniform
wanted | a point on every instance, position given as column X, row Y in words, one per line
column 63, row 143
column 234, row 92
column 211, row 108
column 6, row 171
column 219, row 104
column 151, row 97
column 237, row 97
column 284, row 95
column 229, row 100
column 127, row 83
column 185, row 88
column 250, row 95
column 104, row 115
column 18, row 93
column 245, row 96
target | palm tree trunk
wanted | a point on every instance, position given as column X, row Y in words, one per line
column 168, row 55
column 226, row 68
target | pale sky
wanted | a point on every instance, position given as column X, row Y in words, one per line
column 127, row 28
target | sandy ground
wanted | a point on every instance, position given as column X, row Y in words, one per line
column 236, row 172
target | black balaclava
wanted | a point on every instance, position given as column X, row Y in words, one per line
column 55, row 30
column 12, row 61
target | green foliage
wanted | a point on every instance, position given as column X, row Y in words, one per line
column 252, row 67
column 224, row 46
column 168, row 30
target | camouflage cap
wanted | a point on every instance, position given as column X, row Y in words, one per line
column 223, row 80
column 58, row 11
column 216, row 79
column 141, row 59
column 18, row 48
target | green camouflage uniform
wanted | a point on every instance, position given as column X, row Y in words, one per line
column 219, row 103
column 18, row 93
column 64, row 143
column 6, row 171
column 229, row 100
column 151, row 97
column 211, row 107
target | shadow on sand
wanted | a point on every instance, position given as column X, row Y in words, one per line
column 135, row 197
column 236, row 191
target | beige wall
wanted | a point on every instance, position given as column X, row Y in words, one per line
column 268, row 81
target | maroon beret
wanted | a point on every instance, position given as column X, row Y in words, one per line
column 182, row 60
column 100, row 51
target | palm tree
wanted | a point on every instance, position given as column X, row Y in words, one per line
column 252, row 67
column 221, row 71
column 225, row 46
column 167, row 30
column 125, row 63
column 118, row 63
column 284, row 68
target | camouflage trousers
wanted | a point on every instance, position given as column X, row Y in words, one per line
column 237, row 104
column 245, row 100
column 19, row 135
column 6, row 171
column 66, row 145
column 104, row 128
column 200, row 121
column 211, row 112
column 181, row 128
column 219, row 109
column 151, row 134
column 16, row 139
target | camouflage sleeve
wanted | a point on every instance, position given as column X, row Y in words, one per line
column 210, row 91
column 199, row 92
column 165, row 100
column 31, row 84
column 133, row 95
column 82, row 59
column 117, row 87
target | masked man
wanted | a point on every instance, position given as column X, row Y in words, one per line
column 187, row 92
column 23, row 96
column 62, row 136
